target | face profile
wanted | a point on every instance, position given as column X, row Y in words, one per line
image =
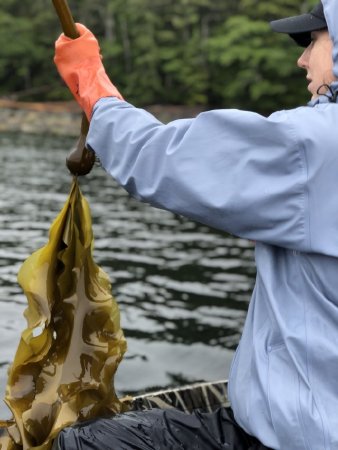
column 317, row 60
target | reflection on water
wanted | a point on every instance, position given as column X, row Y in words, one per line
column 183, row 289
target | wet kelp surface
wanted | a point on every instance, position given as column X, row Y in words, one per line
column 68, row 354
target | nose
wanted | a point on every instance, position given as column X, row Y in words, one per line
column 303, row 60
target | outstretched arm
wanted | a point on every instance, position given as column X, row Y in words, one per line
column 233, row 170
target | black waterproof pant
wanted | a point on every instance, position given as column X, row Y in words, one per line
column 159, row 429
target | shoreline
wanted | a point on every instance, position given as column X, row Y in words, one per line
column 64, row 118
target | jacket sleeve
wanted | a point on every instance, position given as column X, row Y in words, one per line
column 233, row 170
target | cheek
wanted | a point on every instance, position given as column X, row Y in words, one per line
column 328, row 70
column 327, row 62
column 321, row 67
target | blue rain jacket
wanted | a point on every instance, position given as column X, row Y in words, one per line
column 273, row 180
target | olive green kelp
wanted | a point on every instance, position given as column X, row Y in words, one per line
column 67, row 357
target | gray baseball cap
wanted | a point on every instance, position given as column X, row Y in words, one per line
column 300, row 27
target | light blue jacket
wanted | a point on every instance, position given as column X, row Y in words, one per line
column 273, row 180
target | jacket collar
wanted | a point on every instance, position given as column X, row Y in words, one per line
column 327, row 97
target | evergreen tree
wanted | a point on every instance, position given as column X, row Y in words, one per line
column 220, row 53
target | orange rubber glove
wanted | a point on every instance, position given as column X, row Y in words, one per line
column 80, row 65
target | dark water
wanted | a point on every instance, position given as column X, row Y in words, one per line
column 183, row 289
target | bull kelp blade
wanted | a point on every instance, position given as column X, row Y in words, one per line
column 67, row 357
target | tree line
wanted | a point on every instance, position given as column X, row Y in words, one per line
column 219, row 53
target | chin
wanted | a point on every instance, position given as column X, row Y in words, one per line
column 313, row 94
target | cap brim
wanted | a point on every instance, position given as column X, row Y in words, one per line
column 299, row 27
column 298, row 24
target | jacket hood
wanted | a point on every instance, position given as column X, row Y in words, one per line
column 331, row 16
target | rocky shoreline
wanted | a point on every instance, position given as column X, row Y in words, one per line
column 64, row 118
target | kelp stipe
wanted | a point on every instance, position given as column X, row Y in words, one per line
column 67, row 357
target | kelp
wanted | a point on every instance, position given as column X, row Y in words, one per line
column 65, row 363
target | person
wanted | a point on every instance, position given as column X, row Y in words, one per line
column 268, row 179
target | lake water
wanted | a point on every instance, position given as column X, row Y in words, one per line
column 183, row 289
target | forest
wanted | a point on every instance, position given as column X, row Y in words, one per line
column 218, row 54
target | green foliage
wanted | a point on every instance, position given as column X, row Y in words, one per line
column 26, row 48
column 266, row 72
column 220, row 53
